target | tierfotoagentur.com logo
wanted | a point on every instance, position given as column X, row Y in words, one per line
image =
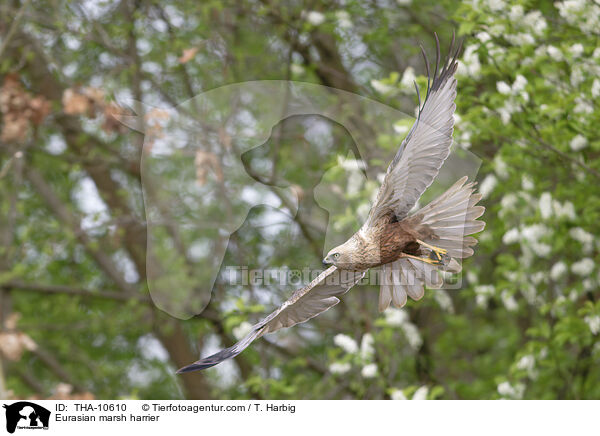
column 25, row 415
column 245, row 276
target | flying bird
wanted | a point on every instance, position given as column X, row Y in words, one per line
column 410, row 248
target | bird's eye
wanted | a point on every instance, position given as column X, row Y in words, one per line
column 336, row 256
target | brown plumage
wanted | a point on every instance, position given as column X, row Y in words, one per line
column 409, row 248
column 380, row 244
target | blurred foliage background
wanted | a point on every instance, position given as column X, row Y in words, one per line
column 76, row 318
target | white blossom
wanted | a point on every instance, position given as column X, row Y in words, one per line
column 529, row 292
column 542, row 249
column 584, row 267
column 412, row 335
column 570, row 7
column 408, row 77
column 519, row 83
column 588, row 285
column 339, row 368
column 465, row 139
column 503, row 87
column 536, row 22
column 487, row 185
column 355, row 183
column 534, row 232
column 504, row 115
column 483, row 293
column 526, row 362
column 366, row 346
column 382, row 88
column 509, row 301
column 574, row 12
column 581, row 235
column 577, row 49
column 594, row 323
column 342, row 15
column 421, row 393
column 496, row 5
column 472, row 277
column 558, row 270
column 485, row 289
column 540, row 51
column 527, row 183
column 443, row 300
column 397, row 394
column 315, row 18
column 369, row 371
column 511, row 236
column 520, row 39
column 554, row 53
column 564, row 210
column 497, row 52
column 516, row 13
column 395, row 317
column 579, row 142
column 242, row 330
column 538, row 277
column 349, row 164
column 297, row 69
column 509, row 108
column 507, row 390
column 513, row 276
column 596, row 88
column 343, row 18
column 362, row 211
column 577, row 75
column 497, row 30
column 346, row 343
column 481, row 301
column 470, row 64
column 483, row 37
column 546, row 205
column 509, row 201
column 400, row 128
column 582, row 106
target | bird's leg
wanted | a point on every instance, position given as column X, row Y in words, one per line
column 424, row 259
column 439, row 252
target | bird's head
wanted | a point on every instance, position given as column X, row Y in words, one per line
column 341, row 256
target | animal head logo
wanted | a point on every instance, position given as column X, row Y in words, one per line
column 198, row 191
column 26, row 415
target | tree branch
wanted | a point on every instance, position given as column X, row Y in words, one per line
column 54, row 365
column 60, row 210
column 68, row 290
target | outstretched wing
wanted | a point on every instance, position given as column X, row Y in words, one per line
column 425, row 148
column 306, row 303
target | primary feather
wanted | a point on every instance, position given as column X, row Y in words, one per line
column 423, row 151
column 306, row 303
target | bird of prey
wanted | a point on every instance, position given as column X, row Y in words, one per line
column 410, row 248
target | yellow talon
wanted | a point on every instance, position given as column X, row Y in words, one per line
column 439, row 252
column 425, row 259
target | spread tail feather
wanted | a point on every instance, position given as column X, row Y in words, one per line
column 451, row 217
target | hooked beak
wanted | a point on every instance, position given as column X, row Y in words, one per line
column 327, row 261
